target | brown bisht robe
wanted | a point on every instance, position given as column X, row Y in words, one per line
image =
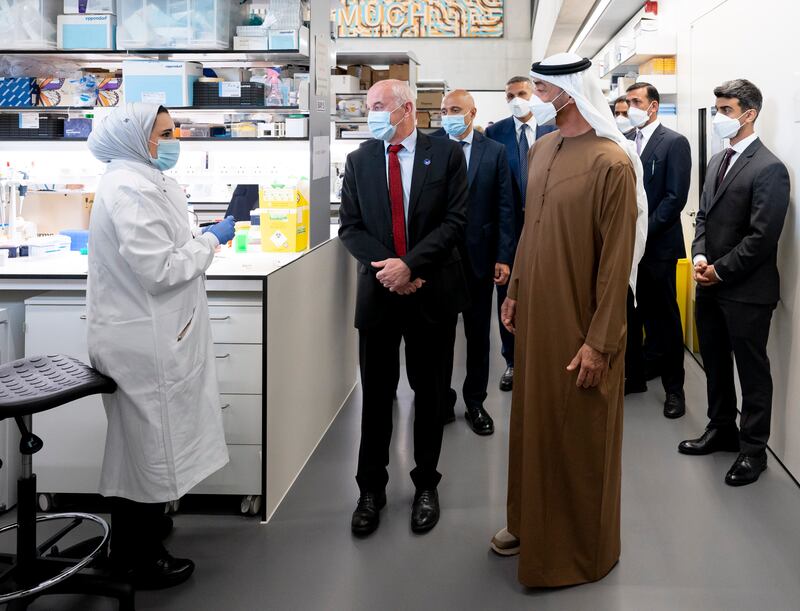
column 570, row 280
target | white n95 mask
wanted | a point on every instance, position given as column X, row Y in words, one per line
column 726, row 127
column 624, row 124
column 545, row 111
column 519, row 107
column 637, row 116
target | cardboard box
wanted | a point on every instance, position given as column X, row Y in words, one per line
column 77, row 128
column 80, row 91
column 423, row 118
column 379, row 75
column 87, row 32
column 289, row 40
column 399, row 72
column 338, row 70
column 345, row 84
column 284, row 229
column 89, row 7
column 53, row 211
column 16, row 92
column 431, row 100
column 251, row 43
column 168, row 83
column 363, row 74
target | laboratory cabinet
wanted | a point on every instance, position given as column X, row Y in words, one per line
column 74, row 435
column 9, row 434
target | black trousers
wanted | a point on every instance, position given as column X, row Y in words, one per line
column 426, row 345
column 730, row 329
column 506, row 338
column 657, row 310
column 135, row 532
column 477, row 330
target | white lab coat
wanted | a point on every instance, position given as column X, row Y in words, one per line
column 149, row 330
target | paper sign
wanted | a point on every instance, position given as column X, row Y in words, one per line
column 230, row 89
column 322, row 73
column 321, row 160
column 29, row 120
column 154, row 97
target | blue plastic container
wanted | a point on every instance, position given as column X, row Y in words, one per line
column 80, row 238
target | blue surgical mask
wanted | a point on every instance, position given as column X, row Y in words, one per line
column 380, row 124
column 168, row 152
column 454, row 125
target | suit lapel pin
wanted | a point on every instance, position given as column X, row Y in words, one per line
column 426, row 161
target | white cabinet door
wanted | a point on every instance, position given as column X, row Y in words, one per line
column 74, row 434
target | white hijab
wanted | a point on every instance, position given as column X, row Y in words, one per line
column 124, row 133
column 584, row 88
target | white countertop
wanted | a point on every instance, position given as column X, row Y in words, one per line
column 226, row 263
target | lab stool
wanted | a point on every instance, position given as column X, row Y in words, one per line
column 29, row 386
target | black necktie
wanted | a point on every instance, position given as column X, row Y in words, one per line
column 723, row 168
column 523, row 160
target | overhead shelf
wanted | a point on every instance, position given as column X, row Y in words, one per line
column 214, row 109
column 375, row 58
column 207, row 57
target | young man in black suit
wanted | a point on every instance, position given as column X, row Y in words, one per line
column 403, row 215
column 667, row 165
column 518, row 133
column 487, row 252
column 742, row 211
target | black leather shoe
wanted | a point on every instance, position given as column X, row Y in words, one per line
column 674, row 406
column 746, row 469
column 479, row 421
column 712, row 440
column 425, row 511
column 507, row 380
column 367, row 515
column 450, row 408
column 632, row 387
column 164, row 572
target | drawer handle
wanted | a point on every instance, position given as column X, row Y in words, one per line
column 83, row 316
column 226, row 406
column 225, row 356
column 220, row 318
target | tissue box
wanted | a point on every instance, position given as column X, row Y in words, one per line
column 87, row 32
column 109, row 90
column 161, row 82
column 80, row 91
column 90, row 7
column 16, row 92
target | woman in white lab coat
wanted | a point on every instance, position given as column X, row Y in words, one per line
column 149, row 330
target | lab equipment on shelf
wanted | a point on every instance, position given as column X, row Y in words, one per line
column 90, row 32
column 228, row 94
column 89, row 7
column 167, row 83
column 28, row 24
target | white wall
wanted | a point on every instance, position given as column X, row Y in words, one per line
column 720, row 40
column 467, row 63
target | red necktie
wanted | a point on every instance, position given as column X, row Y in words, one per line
column 396, row 197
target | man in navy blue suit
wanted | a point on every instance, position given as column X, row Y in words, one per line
column 517, row 133
column 667, row 163
column 487, row 251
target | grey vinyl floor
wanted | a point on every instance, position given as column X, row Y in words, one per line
column 689, row 541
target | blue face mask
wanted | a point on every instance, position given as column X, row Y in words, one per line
column 168, row 153
column 380, row 124
column 454, row 125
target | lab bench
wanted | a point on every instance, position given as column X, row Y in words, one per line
column 286, row 355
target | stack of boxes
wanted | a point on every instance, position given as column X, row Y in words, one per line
column 659, row 65
column 284, row 218
column 429, row 109
column 88, row 25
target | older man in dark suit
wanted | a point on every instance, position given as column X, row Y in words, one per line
column 403, row 214
column 741, row 216
column 667, row 165
column 488, row 250
column 518, row 133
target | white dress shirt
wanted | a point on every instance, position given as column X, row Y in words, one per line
column 467, row 148
column 406, row 159
column 648, row 131
column 738, row 148
column 531, row 133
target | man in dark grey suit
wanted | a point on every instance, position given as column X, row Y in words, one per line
column 741, row 216
column 667, row 165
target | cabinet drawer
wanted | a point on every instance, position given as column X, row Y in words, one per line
column 56, row 329
column 238, row 368
column 242, row 475
column 241, row 416
column 235, row 325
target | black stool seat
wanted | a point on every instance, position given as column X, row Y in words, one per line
column 33, row 385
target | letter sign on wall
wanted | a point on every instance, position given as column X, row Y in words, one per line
column 419, row 19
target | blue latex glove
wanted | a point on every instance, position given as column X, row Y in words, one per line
column 224, row 230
